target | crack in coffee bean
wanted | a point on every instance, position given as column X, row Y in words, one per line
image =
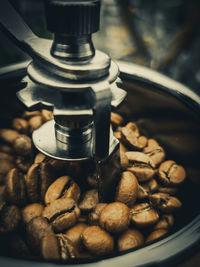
column 60, row 213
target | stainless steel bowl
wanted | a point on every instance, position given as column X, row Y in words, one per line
column 165, row 110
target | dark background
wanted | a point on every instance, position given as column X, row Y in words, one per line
column 163, row 35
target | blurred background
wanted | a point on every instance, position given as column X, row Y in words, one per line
column 162, row 35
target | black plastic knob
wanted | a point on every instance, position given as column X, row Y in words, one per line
column 75, row 17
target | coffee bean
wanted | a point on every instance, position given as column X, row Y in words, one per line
column 29, row 114
column 10, row 217
column 34, row 123
column 23, row 163
column 74, row 234
column 6, row 156
column 61, row 188
column 168, row 190
column 143, row 172
column 118, row 135
column 36, row 230
column 62, row 213
column 131, row 238
column 127, row 189
column 115, row 217
column 46, row 115
column 133, row 127
column 92, row 181
column 142, row 140
column 116, row 119
column 143, row 215
column 15, row 187
column 123, row 157
column 138, row 157
column 165, row 222
column 93, row 217
column 67, row 249
column 171, row 173
column 31, row 211
column 89, row 201
column 38, row 179
column 165, row 202
column 5, row 167
column 97, row 241
column 156, row 235
column 130, row 138
column 39, row 158
column 147, row 188
column 6, row 148
column 22, row 145
column 21, row 125
column 2, row 193
column 50, row 248
column 8, row 135
column 155, row 152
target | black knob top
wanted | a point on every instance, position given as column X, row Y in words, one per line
column 75, row 17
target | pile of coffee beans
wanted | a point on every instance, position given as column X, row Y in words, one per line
column 51, row 209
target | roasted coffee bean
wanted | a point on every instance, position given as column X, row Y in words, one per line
column 2, row 193
column 131, row 238
column 142, row 140
column 93, row 217
column 34, row 123
column 10, row 217
column 156, row 235
column 31, row 211
column 97, row 241
column 6, row 148
column 92, row 181
column 61, row 188
column 133, row 127
column 28, row 114
column 115, row 217
column 143, row 215
column 22, row 145
column 170, row 173
column 57, row 247
column 166, row 222
column 5, row 167
column 116, row 119
column 130, row 138
column 143, row 172
column 8, row 135
column 39, row 158
column 47, row 115
column 118, row 135
column 155, row 152
column 38, row 179
column 165, row 202
column 6, row 156
column 74, row 234
column 23, row 163
column 15, row 187
column 123, row 158
column 138, row 157
column 147, row 188
column 89, row 201
column 21, row 125
column 127, row 189
column 63, row 213
column 169, row 190
column 36, row 230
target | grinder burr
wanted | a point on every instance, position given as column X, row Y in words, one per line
column 68, row 76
